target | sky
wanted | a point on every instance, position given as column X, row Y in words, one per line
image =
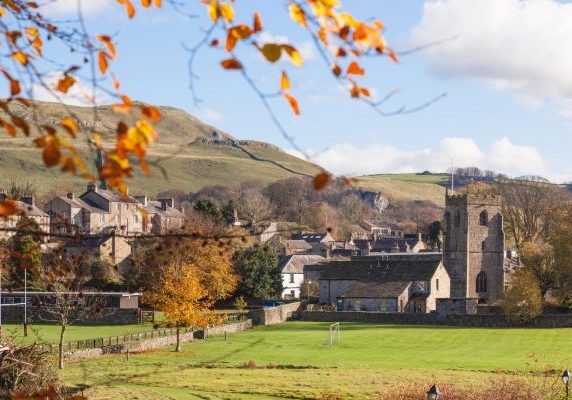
column 504, row 65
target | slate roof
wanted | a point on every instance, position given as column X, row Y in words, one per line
column 29, row 210
column 387, row 244
column 392, row 267
column 365, row 289
column 309, row 237
column 80, row 203
column 298, row 244
column 295, row 263
column 154, row 207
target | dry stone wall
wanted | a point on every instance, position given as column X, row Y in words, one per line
column 276, row 315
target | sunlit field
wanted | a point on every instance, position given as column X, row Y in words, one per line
column 293, row 360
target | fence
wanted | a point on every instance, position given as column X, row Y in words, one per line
column 112, row 340
column 230, row 318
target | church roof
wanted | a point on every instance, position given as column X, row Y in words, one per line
column 368, row 289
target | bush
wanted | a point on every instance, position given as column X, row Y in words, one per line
column 523, row 300
column 240, row 303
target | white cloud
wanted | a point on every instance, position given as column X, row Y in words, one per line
column 78, row 95
column 55, row 8
column 502, row 156
column 209, row 115
column 520, row 46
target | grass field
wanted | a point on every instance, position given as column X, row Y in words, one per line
column 293, row 361
column 45, row 333
column 414, row 177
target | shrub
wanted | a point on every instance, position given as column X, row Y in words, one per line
column 523, row 300
column 240, row 303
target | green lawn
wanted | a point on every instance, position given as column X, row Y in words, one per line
column 47, row 333
column 294, row 361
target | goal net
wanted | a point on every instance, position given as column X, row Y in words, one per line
column 335, row 337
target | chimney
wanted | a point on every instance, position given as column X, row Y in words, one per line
column 166, row 203
column 142, row 199
column 395, row 248
column 70, row 196
column 29, row 200
column 367, row 249
column 91, row 187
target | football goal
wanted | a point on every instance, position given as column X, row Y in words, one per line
column 335, row 337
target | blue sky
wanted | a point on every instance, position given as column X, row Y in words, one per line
column 506, row 74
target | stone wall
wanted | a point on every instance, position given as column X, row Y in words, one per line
column 152, row 344
column 457, row 306
column 112, row 316
column 275, row 315
column 475, row 320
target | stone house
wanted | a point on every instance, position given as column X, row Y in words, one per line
column 408, row 243
column 400, row 282
column 111, row 249
column 378, row 228
column 292, row 271
column 318, row 241
column 162, row 216
column 27, row 207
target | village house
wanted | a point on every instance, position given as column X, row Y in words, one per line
column 292, row 271
column 404, row 282
column 408, row 243
column 26, row 207
column 319, row 241
column 162, row 216
column 378, row 228
column 110, row 249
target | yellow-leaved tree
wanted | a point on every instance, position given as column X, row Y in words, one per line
column 185, row 277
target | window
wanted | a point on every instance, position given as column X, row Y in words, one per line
column 483, row 245
column 481, row 282
column 293, row 294
column 291, row 278
column 383, row 305
column 437, row 284
column 447, row 221
column 483, row 218
column 458, row 219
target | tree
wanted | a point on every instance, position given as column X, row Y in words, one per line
column 254, row 206
column 522, row 302
column 208, row 208
column 185, row 279
column 309, row 289
column 538, row 257
column 561, row 240
column 259, row 272
column 26, row 255
column 526, row 208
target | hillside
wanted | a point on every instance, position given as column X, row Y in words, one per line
column 192, row 154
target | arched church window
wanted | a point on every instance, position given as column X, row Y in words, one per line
column 481, row 282
column 483, row 218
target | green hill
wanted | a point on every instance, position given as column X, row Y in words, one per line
column 189, row 155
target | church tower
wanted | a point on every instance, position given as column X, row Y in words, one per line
column 473, row 246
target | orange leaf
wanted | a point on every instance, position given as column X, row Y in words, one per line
column 214, row 42
column 14, row 84
column 284, row 81
column 336, row 70
column 364, row 92
column 321, row 180
column 271, row 52
column 151, row 112
column 146, row 3
column 8, row 207
column 257, row 25
column 107, row 41
column 241, row 31
column 231, row 63
column 9, row 128
column 102, row 61
column 116, row 83
column 293, row 103
column 392, row 55
column 65, row 83
column 355, row 69
column 230, row 41
column 130, row 9
column 157, row 3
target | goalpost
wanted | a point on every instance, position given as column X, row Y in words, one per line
column 335, row 337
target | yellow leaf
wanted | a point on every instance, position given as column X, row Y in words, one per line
column 231, row 63
column 294, row 54
column 214, row 10
column 271, row 52
column 157, row 3
column 227, row 12
column 284, row 81
column 96, row 139
column 70, row 126
column 21, row 57
column 298, row 14
column 355, row 69
column 293, row 103
column 146, row 3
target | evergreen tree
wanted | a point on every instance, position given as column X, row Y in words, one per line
column 259, row 271
column 25, row 254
